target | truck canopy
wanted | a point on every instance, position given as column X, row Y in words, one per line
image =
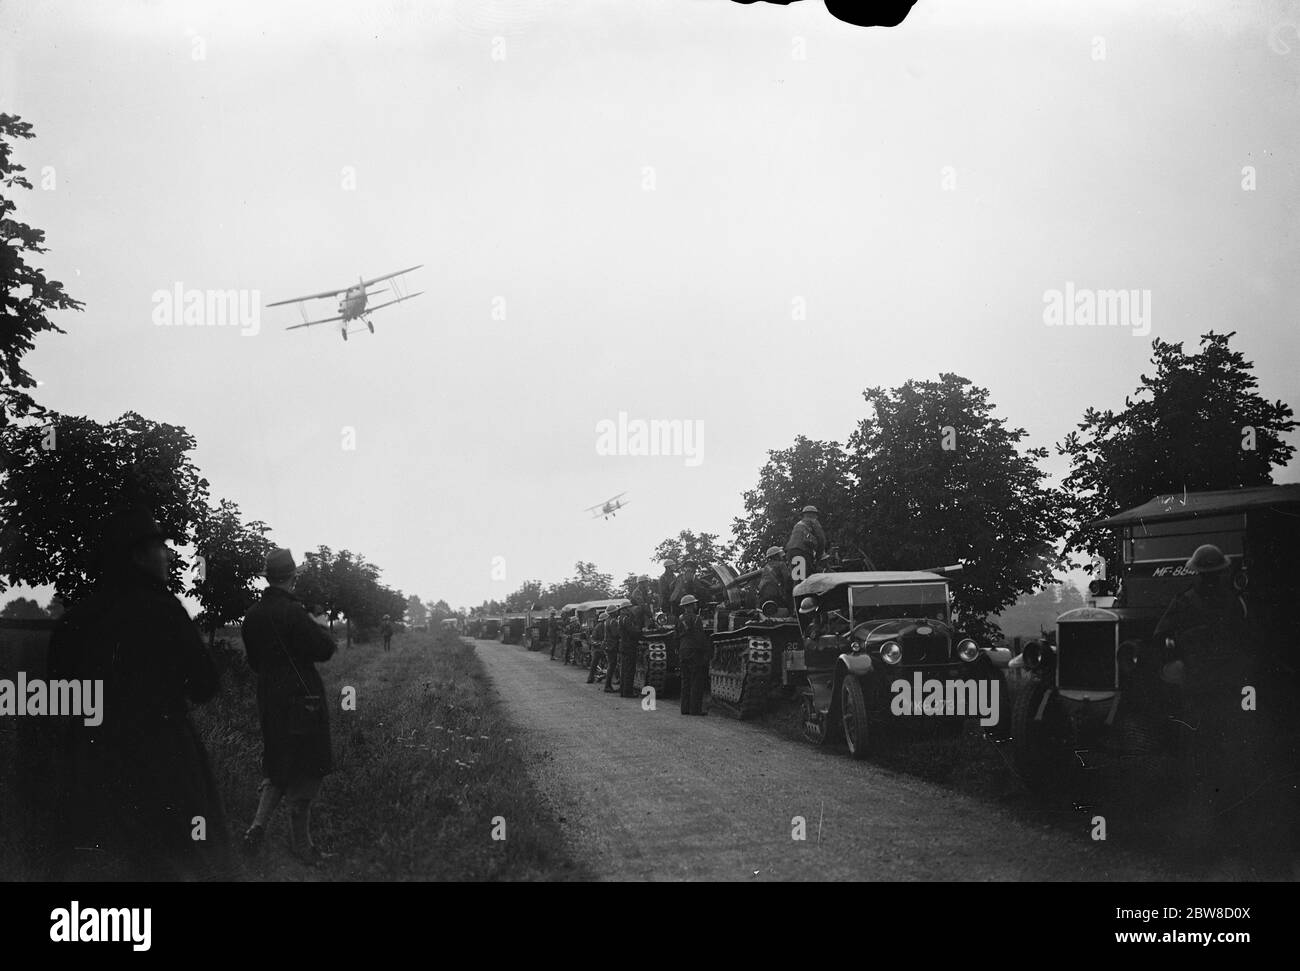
column 1191, row 505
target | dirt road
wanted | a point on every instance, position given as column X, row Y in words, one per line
column 653, row 795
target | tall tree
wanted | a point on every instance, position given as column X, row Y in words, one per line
column 939, row 479
column 416, row 612
column 701, row 547
column 27, row 296
column 1197, row 424
column 60, row 484
column 809, row 472
column 232, row 555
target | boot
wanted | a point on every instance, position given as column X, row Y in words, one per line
column 300, row 843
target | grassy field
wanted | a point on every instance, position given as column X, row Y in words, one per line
column 423, row 767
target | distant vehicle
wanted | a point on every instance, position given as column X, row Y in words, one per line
column 451, row 623
column 608, row 508
column 491, row 628
column 512, row 628
column 353, row 302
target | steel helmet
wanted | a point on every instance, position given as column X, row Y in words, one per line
column 688, row 600
column 775, row 551
column 1208, row 559
column 811, row 509
column 807, row 605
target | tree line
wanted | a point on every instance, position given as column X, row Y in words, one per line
column 931, row 476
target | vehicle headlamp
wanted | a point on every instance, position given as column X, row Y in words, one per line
column 968, row 650
column 891, row 653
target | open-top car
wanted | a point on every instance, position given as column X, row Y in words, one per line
column 882, row 645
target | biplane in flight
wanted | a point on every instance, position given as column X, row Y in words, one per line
column 608, row 508
column 353, row 302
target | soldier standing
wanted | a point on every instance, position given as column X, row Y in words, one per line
column 1208, row 660
column 553, row 634
column 668, row 580
column 597, row 646
column 774, row 582
column 629, row 637
column 806, row 545
column 696, row 651
column 386, row 628
column 611, row 648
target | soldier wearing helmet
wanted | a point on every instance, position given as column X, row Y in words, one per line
column 597, row 645
column 807, row 544
column 695, row 650
column 630, row 622
column 1207, row 650
column 1202, row 631
column 774, row 581
column 611, row 648
column 668, row 580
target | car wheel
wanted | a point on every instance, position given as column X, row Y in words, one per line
column 853, row 716
column 814, row 722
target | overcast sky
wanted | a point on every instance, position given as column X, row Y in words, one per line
column 651, row 191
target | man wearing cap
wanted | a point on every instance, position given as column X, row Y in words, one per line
column 774, row 581
column 695, row 650
column 283, row 647
column 611, row 648
column 386, row 629
column 129, row 788
column 668, row 580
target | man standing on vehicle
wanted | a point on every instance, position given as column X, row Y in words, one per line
column 668, row 580
column 806, row 545
column 696, row 651
column 774, row 581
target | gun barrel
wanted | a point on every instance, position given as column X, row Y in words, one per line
column 745, row 578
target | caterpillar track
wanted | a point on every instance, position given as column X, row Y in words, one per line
column 656, row 661
column 746, row 666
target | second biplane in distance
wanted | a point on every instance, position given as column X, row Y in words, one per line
column 353, row 302
column 608, row 508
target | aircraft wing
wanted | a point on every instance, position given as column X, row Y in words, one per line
column 619, row 496
column 379, row 306
column 389, row 276
column 311, row 323
column 596, row 508
column 310, row 296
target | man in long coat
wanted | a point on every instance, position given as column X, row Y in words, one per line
column 284, row 645
column 136, row 797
